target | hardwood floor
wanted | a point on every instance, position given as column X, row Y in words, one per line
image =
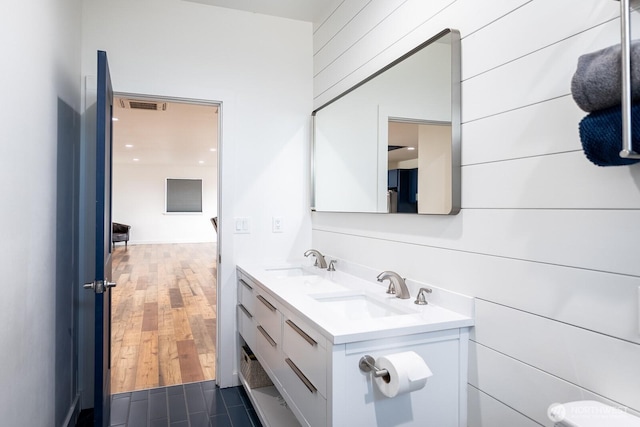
column 163, row 316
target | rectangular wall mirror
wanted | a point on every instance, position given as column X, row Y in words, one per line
column 391, row 143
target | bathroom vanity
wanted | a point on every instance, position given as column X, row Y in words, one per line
column 309, row 328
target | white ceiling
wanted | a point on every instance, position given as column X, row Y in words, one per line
column 183, row 135
column 404, row 135
column 301, row 10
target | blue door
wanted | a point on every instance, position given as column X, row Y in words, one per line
column 102, row 284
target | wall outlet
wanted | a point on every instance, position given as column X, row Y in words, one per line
column 242, row 225
column 276, row 224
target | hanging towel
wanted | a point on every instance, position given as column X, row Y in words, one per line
column 601, row 136
column 596, row 84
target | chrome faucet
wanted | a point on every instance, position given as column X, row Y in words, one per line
column 396, row 284
column 421, row 299
column 320, row 261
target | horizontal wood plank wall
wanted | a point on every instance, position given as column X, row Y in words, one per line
column 546, row 241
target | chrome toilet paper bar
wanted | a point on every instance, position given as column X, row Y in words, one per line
column 367, row 364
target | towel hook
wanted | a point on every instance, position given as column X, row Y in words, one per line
column 625, row 44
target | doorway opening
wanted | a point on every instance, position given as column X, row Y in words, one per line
column 163, row 315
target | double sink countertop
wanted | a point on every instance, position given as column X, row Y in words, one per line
column 346, row 308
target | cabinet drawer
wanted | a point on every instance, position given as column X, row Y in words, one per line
column 245, row 294
column 268, row 316
column 268, row 351
column 246, row 326
column 303, row 395
column 306, row 349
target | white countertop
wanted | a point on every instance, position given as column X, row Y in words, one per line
column 303, row 296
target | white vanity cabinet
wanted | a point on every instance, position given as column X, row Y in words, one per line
column 260, row 328
column 292, row 353
column 317, row 373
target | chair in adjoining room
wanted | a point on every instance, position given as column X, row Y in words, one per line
column 120, row 233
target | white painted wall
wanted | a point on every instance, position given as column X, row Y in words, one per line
column 545, row 240
column 139, row 197
column 260, row 68
column 40, row 45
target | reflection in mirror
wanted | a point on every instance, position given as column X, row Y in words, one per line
column 392, row 143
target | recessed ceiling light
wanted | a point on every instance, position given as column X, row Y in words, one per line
column 201, row 161
column 115, row 119
column 129, row 145
column 212, row 149
column 136, row 160
column 411, row 148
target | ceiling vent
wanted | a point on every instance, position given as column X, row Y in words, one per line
column 136, row 104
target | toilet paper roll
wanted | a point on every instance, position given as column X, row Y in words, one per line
column 407, row 372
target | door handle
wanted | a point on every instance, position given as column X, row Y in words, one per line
column 267, row 336
column 299, row 374
column 245, row 311
column 267, row 303
column 99, row 286
column 302, row 333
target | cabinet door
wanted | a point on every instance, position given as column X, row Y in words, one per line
column 309, row 406
column 246, row 326
column 306, row 349
column 245, row 294
column 268, row 352
column 357, row 401
column 267, row 315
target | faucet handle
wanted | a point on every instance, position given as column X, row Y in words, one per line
column 421, row 298
column 391, row 289
column 332, row 266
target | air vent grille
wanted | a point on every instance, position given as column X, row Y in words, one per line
column 143, row 105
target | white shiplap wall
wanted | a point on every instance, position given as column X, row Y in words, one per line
column 546, row 241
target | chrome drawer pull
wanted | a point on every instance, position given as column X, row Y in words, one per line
column 267, row 337
column 300, row 375
column 246, row 284
column 244, row 309
column 267, row 303
column 302, row 333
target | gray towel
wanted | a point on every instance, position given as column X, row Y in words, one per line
column 596, row 84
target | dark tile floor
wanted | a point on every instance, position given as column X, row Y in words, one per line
column 201, row 404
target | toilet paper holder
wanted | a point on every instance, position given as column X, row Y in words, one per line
column 368, row 364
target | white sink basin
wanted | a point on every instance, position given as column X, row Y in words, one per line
column 281, row 272
column 317, row 284
column 359, row 306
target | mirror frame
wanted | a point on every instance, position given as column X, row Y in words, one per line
column 456, row 102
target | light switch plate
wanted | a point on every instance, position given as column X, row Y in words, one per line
column 276, row 224
column 242, row 225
